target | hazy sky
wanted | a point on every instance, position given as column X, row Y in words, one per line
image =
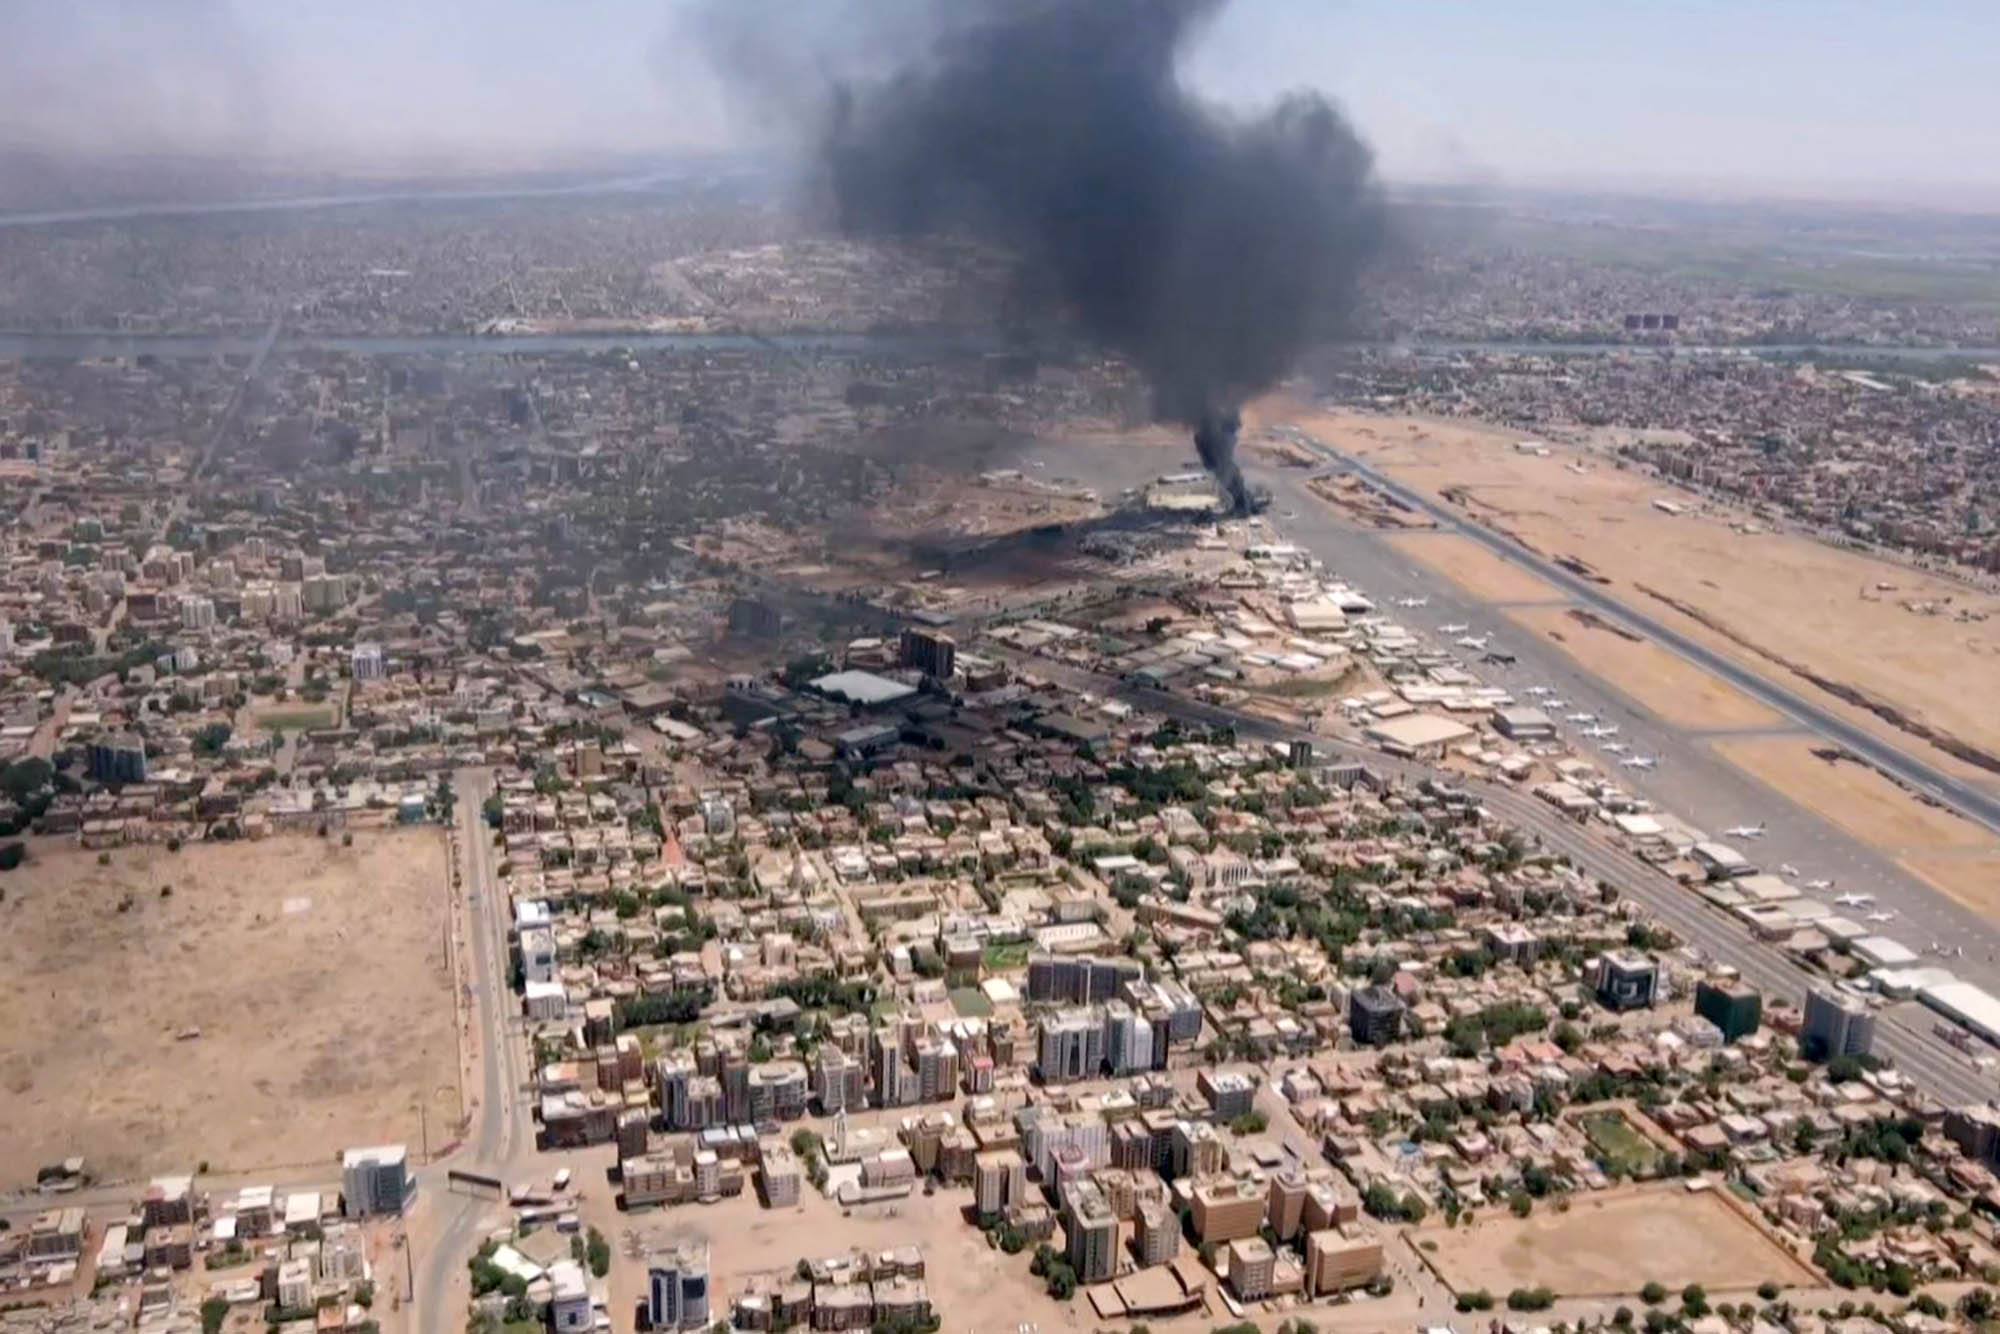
column 1847, row 97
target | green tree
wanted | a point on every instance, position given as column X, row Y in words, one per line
column 1653, row 1293
column 599, row 1253
column 213, row 1312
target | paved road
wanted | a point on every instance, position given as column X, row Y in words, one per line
column 503, row 1134
column 1970, row 800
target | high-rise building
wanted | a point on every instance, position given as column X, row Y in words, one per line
column 1252, row 1264
column 1090, row 1232
column 116, row 757
column 1128, row 1039
column 1079, row 979
column 1335, row 1262
column 932, row 652
column 1230, row 1093
column 937, row 1068
column 1226, row 1209
column 777, row 1091
column 366, row 663
column 197, row 613
column 1732, row 1005
column 1157, row 1235
column 1627, row 980
column 1071, row 1047
column 1285, row 1204
column 840, row 1082
column 1374, row 1016
column 677, row 1288
column 1836, row 1025
column 374, row 1181
column 999, row 1179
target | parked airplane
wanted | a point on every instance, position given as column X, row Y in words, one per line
column 1413, row 602
column 1554, row 702
column 1786, row 868
column 1855, row 900
column 1581, row 718
column 1472, row 641
column 1616, row 747
column 1455, row 628
column 1885, row 916
column 1641, row 762
column 1819, row 884
column 1745, row 831
column 1539, row 690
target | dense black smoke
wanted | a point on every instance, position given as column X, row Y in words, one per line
column 1205, row 248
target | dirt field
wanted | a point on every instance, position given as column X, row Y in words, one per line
column 1589, row 1251
column 1475, row 569
column 1952, row 854
column 1835, row 620
column 968, row 1280
column 315, row 973
column 1664, row 682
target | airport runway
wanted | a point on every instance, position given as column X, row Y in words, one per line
column 1691, row 781
column 1968, row 799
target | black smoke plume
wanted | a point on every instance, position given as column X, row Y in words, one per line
column 1206, row 248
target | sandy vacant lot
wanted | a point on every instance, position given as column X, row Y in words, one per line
column 970, row 1282
column 1791, row 597
column 1667, row 684
column 1953, row 854
column 315, row 973
column 1474, row 568
column 1589, row 1251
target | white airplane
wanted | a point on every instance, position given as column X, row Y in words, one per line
column 1745, row 831
column 1855, row 900
column 1413, row 602
column 1616, row 747
column 1885, row 916
column 1538, row 690
column 1474, row 642
column 1455, row 628
column 1819, row 884
column 1641, row 762
column 1581, row 718
column 1552, row 702
column 1601, row 730
column 1786, row 868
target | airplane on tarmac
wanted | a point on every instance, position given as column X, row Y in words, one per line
column 1472, row 641
column 1538, row 690
column 1819, row 884
column 1786, row 868
column 1455, row 628
column 1581, row 718
column 1855, row 900
column 1886, row 915
column 1641, row 762
column 1745, row 831
column 1602, row 729
column 1413, row 602
column 1615, row 747
column 1552, row 702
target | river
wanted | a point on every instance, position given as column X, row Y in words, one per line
column 36, row 346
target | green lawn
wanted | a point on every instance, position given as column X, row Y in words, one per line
column 1619, row 1147
column 971, row 1002
column 1003, row 958
column 305, row 718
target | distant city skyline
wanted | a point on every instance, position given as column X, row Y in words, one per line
column 1837, row 99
